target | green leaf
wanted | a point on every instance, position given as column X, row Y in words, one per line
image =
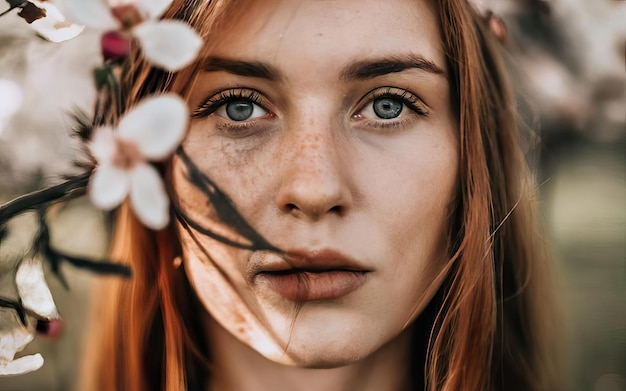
column 101, row 76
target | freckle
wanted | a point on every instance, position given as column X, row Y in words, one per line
column 239, row 319
column 314, row 143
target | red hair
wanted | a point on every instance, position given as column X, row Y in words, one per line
column 492, row 322
column 494, row 328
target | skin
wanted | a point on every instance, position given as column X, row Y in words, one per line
column 315, row 168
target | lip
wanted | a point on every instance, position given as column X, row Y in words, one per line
column 304, row 275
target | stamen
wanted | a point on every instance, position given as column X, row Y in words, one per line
column 127, row 155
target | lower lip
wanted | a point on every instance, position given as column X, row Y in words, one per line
column 309, row 286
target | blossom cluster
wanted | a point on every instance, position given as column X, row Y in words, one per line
column 40, row 313
column 124, row 155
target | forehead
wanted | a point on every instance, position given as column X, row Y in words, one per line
column 319, row 32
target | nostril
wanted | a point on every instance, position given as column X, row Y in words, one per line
column 291, row 207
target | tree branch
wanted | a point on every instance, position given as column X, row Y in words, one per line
column 71, row 188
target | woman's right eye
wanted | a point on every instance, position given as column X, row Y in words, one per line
column 236, row 105
column 240, row 109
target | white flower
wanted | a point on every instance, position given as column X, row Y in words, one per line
column 14, row 336
column 12, row 341
column 53, row 26
column 168, row 44
column 33, row 289
column 150, row 132
column 11, row 98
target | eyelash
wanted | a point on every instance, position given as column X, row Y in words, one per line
column 213, row 103
column 412, row 101
column 210, row 105
column 233, row 129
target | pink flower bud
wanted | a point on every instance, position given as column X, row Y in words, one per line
column 49, row 328
column 114, row 45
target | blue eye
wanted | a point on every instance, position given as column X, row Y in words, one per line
column 387, row 108
column 237, row 105
column 390, row 106
column 239, row 110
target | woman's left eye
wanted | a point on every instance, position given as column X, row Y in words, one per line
column 386, row 108
column 390, row 106
column 241, row 109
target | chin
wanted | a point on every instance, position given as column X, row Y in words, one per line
column 316, row 358
column 331, row 344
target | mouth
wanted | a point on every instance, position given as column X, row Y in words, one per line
column 312, row 275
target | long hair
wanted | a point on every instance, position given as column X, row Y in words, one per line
column 495, row 329
column 492, row 323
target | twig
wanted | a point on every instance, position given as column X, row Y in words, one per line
column 224, row 207
column 19, row 309
column 71, row 188
column 13, row 6
column 98, row 267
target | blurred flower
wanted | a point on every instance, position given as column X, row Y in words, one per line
column 150, row 132
column 54, row 26
column 11, row 98
column 33, row 290
column 168, row 44
column 37, row 300
column 12, row 341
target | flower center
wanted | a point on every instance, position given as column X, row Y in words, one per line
column 127, row 154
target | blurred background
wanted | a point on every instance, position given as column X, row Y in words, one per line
column 568, row 61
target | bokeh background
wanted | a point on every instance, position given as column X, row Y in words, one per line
column 568, row 61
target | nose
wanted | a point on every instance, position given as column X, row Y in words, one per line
column 314, row 178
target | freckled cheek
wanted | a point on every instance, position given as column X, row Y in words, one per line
column 242, row 171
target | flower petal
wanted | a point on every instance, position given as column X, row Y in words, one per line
column 33, row 289
column 21, row 365
column 13, row 340
column 157, row 125
column 168, row 44
column 102, row 144
column 148, row 197
column 53, row 26
column 153, row 9
column 94, row 14
column 108, row 186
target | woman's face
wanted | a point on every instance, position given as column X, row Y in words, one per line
column 329, row 125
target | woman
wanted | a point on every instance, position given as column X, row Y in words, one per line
column 374, row 149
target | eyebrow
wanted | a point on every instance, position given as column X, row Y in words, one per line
column 360, row 70
column 368, row 69
column 241, row 68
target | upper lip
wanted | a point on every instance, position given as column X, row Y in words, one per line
column 315, row 261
